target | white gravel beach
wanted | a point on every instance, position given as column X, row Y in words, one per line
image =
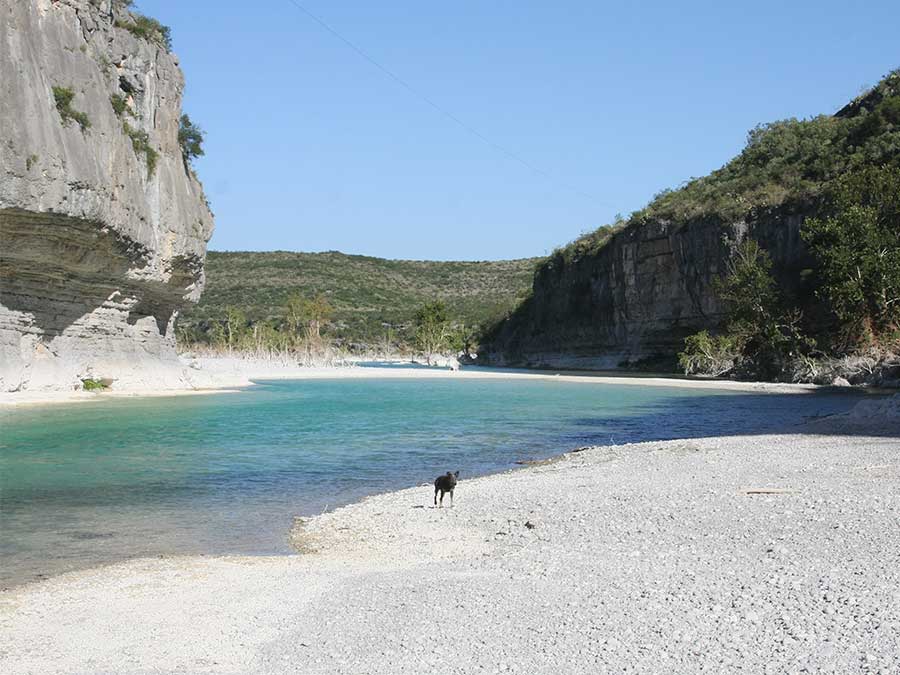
column 758, row 554
column 212, row 375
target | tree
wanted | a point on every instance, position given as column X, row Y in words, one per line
column 217, row 336
column 463, row 338
column 857, row 242
column 190, row 138
column 267, row 337
column 235, row 325
column 319, row 311
column 762, row 337
column 311, row 315
column 295, row 314
column 432, row 328
column 748, row 288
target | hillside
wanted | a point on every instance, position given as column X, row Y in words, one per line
column 366, row 293
column 631, row 292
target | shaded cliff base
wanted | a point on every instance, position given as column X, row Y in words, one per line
column 77, row 296
column 765, row 553
column 601, row 360
column 870, row 368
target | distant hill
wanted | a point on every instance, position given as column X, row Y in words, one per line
column 366, row 292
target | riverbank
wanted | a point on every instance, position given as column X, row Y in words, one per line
column 217, row 375
column 768, row 553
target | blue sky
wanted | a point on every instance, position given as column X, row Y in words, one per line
column 310, row 148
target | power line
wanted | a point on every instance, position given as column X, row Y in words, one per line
column 509, row 154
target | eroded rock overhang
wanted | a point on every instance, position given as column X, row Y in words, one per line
column 99, row 246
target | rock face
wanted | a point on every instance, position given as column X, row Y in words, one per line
column 640, row 295
column 103, row 226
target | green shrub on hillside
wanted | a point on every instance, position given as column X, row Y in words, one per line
column 119, row 105
column 748, row 287
column 147, row 28
column 64, row 97
column 586, row 245
column 140, row 141
column 789, row 161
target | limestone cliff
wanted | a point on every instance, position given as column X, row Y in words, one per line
column 103, row 226
column 640, row 295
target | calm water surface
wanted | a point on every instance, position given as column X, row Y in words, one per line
column 226, row 473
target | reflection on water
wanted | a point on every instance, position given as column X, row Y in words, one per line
column 97, row 482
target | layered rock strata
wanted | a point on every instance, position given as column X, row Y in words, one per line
column 103, row 225
column 637, row 298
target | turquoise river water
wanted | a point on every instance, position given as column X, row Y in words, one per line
column 89, row 483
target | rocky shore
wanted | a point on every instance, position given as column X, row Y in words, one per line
column 764, row 554
column 210, row 375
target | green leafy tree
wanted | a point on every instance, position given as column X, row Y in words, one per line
column 190, row 138
column 463, row 338
column 235, row 327
column 302, row 315
column 762, row 337
column 857, row 242
column 266, row 337
column 319, row 311
column 432, row 328
column 748, row 288
column 217, row 336
column 295, row 314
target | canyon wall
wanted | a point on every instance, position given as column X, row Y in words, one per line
column 635, row 300
column 103, row 225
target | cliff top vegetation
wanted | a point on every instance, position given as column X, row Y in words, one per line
column 789, row 161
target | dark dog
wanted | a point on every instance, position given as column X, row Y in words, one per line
column 443, row 484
